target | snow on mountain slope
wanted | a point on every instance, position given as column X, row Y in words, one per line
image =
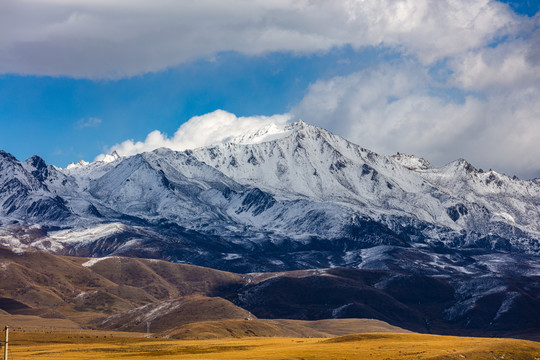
column 312, row 163
column 265, row 134
column 24, row 194
column 306, row 162
column 298, row 197
column 510, row 205
column 84, row 172
column 164, row 184
column 297, row 191
column 412, row 162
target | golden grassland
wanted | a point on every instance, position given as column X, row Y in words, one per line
column 36, row 323
column 81, row 344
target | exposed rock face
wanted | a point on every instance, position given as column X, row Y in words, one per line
column 275, row 199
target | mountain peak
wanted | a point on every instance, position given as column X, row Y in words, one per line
column 78, row 164
column 38, row 167
column 272, row 132
column 463, row 164
column 301, row 123
column 37, row 162
column 111, row 157
column 267, row 133
column 106, row 159
column 412, row 162
column 7, row 155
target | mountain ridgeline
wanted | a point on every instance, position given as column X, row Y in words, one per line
column 285, row 198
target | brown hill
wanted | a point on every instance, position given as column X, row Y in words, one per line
column 226, row 329
column 83, row 290
column 279, row 328
column 171, row 314
column 165, row 280
column 337, row 327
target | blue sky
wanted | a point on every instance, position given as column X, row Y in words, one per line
column 47, row 115
column 440, row 79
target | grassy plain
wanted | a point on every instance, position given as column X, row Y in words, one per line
column 82, row 345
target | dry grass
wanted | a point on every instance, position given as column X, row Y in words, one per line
column 339, row 327
column 108, row 345
column 38, row 282
column 205, row 330
column 36, row 323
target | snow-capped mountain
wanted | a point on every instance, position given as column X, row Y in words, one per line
column 275, row 198
column 24, row 194
column 456, row 204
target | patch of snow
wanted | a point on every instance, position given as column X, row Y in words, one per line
column 339, row 310
column 375, row 257
column 505, row 216
column 468, row 292
column 351, row 256
column 444, row 263
column 48, row 245
column 87, row 234
column 152, row 311
column 129, row 244
column 507, row 303
column 232, row 256
column 268, row 133
column 459, row 309
column 84, row 294
column 110, row 157
column 94, row 261
column 18, row 250
column 412, row 162
column 79, row 164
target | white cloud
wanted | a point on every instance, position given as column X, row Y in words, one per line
column 493, row 54
column 391, row 109
column 111, row 39
column 508, row 65
column 88, row 122
column 215, row 127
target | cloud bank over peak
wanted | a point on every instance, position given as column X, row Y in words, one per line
column 401, row 108
column 215, row 127
column 443, row 79
column 114, row 39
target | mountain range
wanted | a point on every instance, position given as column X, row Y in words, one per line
column 294, row 197
column 275, row 199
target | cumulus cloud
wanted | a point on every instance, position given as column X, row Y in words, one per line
column 510, row 64
column 485, row 109
column 215, row 127
column 90, row 122
column 391, row 109
column 112, row 39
